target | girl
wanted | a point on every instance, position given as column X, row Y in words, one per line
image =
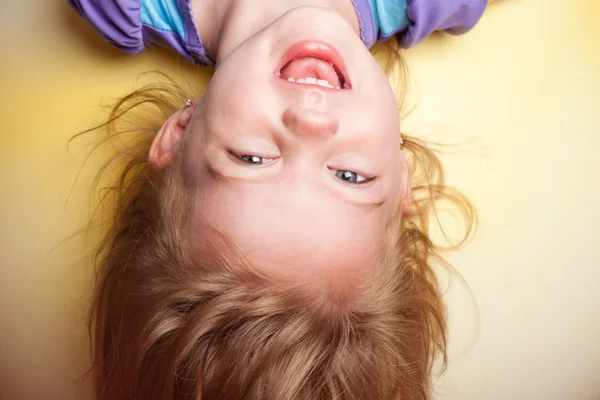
column 267, row 241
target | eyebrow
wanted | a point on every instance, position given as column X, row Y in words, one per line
column 229, row 180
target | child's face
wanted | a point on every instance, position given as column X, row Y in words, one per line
column 278, row 165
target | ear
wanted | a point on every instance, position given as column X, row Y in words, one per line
column 406, row 195
column 168, row 140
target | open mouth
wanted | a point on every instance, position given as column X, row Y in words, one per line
column 314, row 63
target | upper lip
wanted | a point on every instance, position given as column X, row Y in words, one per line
column 319, row 50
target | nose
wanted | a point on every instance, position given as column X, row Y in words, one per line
column 308, row 119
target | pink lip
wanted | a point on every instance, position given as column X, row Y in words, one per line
column 310, row 48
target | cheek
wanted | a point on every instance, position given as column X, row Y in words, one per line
column 226, row 99
column 240, row 107
column 239, row 84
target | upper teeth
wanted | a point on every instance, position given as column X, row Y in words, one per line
column 314, row 81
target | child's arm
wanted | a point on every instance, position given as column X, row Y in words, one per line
column 134, row 25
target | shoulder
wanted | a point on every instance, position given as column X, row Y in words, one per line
column 117, row 21
column 453, row 16
column 134, row 25
column 411, row 21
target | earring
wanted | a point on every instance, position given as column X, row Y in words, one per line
column 401, row 140
column 188, row 103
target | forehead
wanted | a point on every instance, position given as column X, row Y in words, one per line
column 309, row 233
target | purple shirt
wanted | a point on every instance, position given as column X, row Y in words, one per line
column 131, row 25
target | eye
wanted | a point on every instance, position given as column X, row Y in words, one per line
column 254, row 160
column 350, row 177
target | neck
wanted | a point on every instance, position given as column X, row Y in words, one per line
column 224, row 24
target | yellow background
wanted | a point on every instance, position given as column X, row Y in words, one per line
column 521, row 93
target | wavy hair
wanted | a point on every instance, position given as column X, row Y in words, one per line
column 176, row 317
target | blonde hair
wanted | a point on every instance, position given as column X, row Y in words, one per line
column 181, row 318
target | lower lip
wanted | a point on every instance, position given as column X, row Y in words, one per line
column 315, row 49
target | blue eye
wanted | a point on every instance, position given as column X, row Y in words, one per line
column 254, row 160
column 350, row 177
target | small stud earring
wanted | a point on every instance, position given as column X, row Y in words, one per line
column 188, row 103
column 401, row 140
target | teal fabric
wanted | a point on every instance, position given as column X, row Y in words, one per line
column 390, row 16
column 163, row 15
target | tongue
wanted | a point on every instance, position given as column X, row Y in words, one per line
column 311, row 67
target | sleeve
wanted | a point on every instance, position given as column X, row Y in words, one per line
column 120, row 23
column 453, row 16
